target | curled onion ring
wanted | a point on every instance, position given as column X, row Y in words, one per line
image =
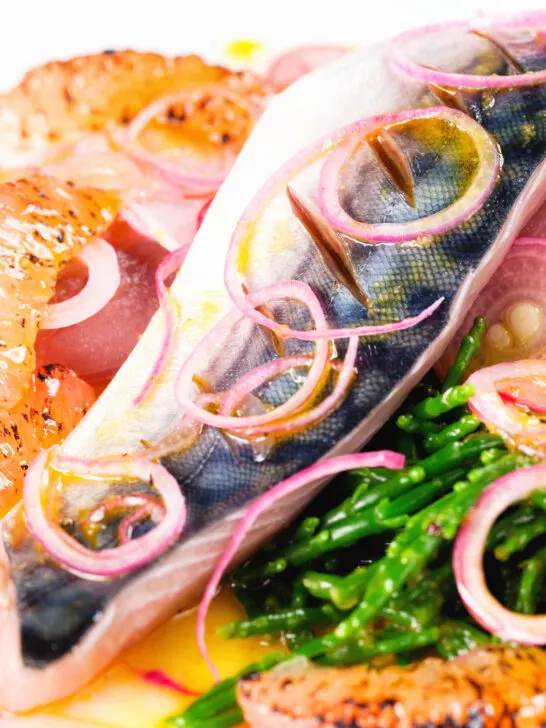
column 199, row 183
column 108, row 562
column 297, row 421
column 169, row 308
column 468, row 556
column 101, row 286
column 512, row 423
column 440, row 222
column 291, row 290
column 233, row 273
column 323, row 469
column 466, row 80
column 146, row 506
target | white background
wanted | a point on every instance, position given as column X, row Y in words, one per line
column 34, row 31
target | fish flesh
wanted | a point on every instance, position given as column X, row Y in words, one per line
column 59, row 629
column 490, row 686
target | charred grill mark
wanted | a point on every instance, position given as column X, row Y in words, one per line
column 174, row 116
column 329, row 245
column 463, row 693
column 251, row 676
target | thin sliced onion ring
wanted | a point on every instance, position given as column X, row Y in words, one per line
column 110, row 562
column 234, row 277
column 323, row 469
column 113, row 504
column 435, row 224
column 465, row 80
column 257, row 377
column 291, row 290
column 126, row 526
column 169, row 309
column 468, row 557
column 301, row 420
column 102, row 283
column 199, row 183
column 145, row 506
column 514, row 425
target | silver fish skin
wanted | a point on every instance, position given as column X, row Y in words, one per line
column 58, row 630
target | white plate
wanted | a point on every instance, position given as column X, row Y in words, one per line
column 36, row 31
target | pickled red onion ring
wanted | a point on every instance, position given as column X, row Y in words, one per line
column 468, row 557
column 169, row 309
column 512, row 423
column 108, row 562
column 465, row 80
column 175, row 171
column 101, row 286
column 440, row 222
column 290, row 290
column 126, row 526
column 323, row 469
column 234, row 274
column 297, row 421
column 146, row 507
column 259, row 376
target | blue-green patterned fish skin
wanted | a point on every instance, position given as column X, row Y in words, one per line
column 57, row 611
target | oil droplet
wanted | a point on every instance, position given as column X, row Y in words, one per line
column 498, row 337
column 243, row 49
column 299, row 375
column 524, row 319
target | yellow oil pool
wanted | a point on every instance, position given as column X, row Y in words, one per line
column 122, row 699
